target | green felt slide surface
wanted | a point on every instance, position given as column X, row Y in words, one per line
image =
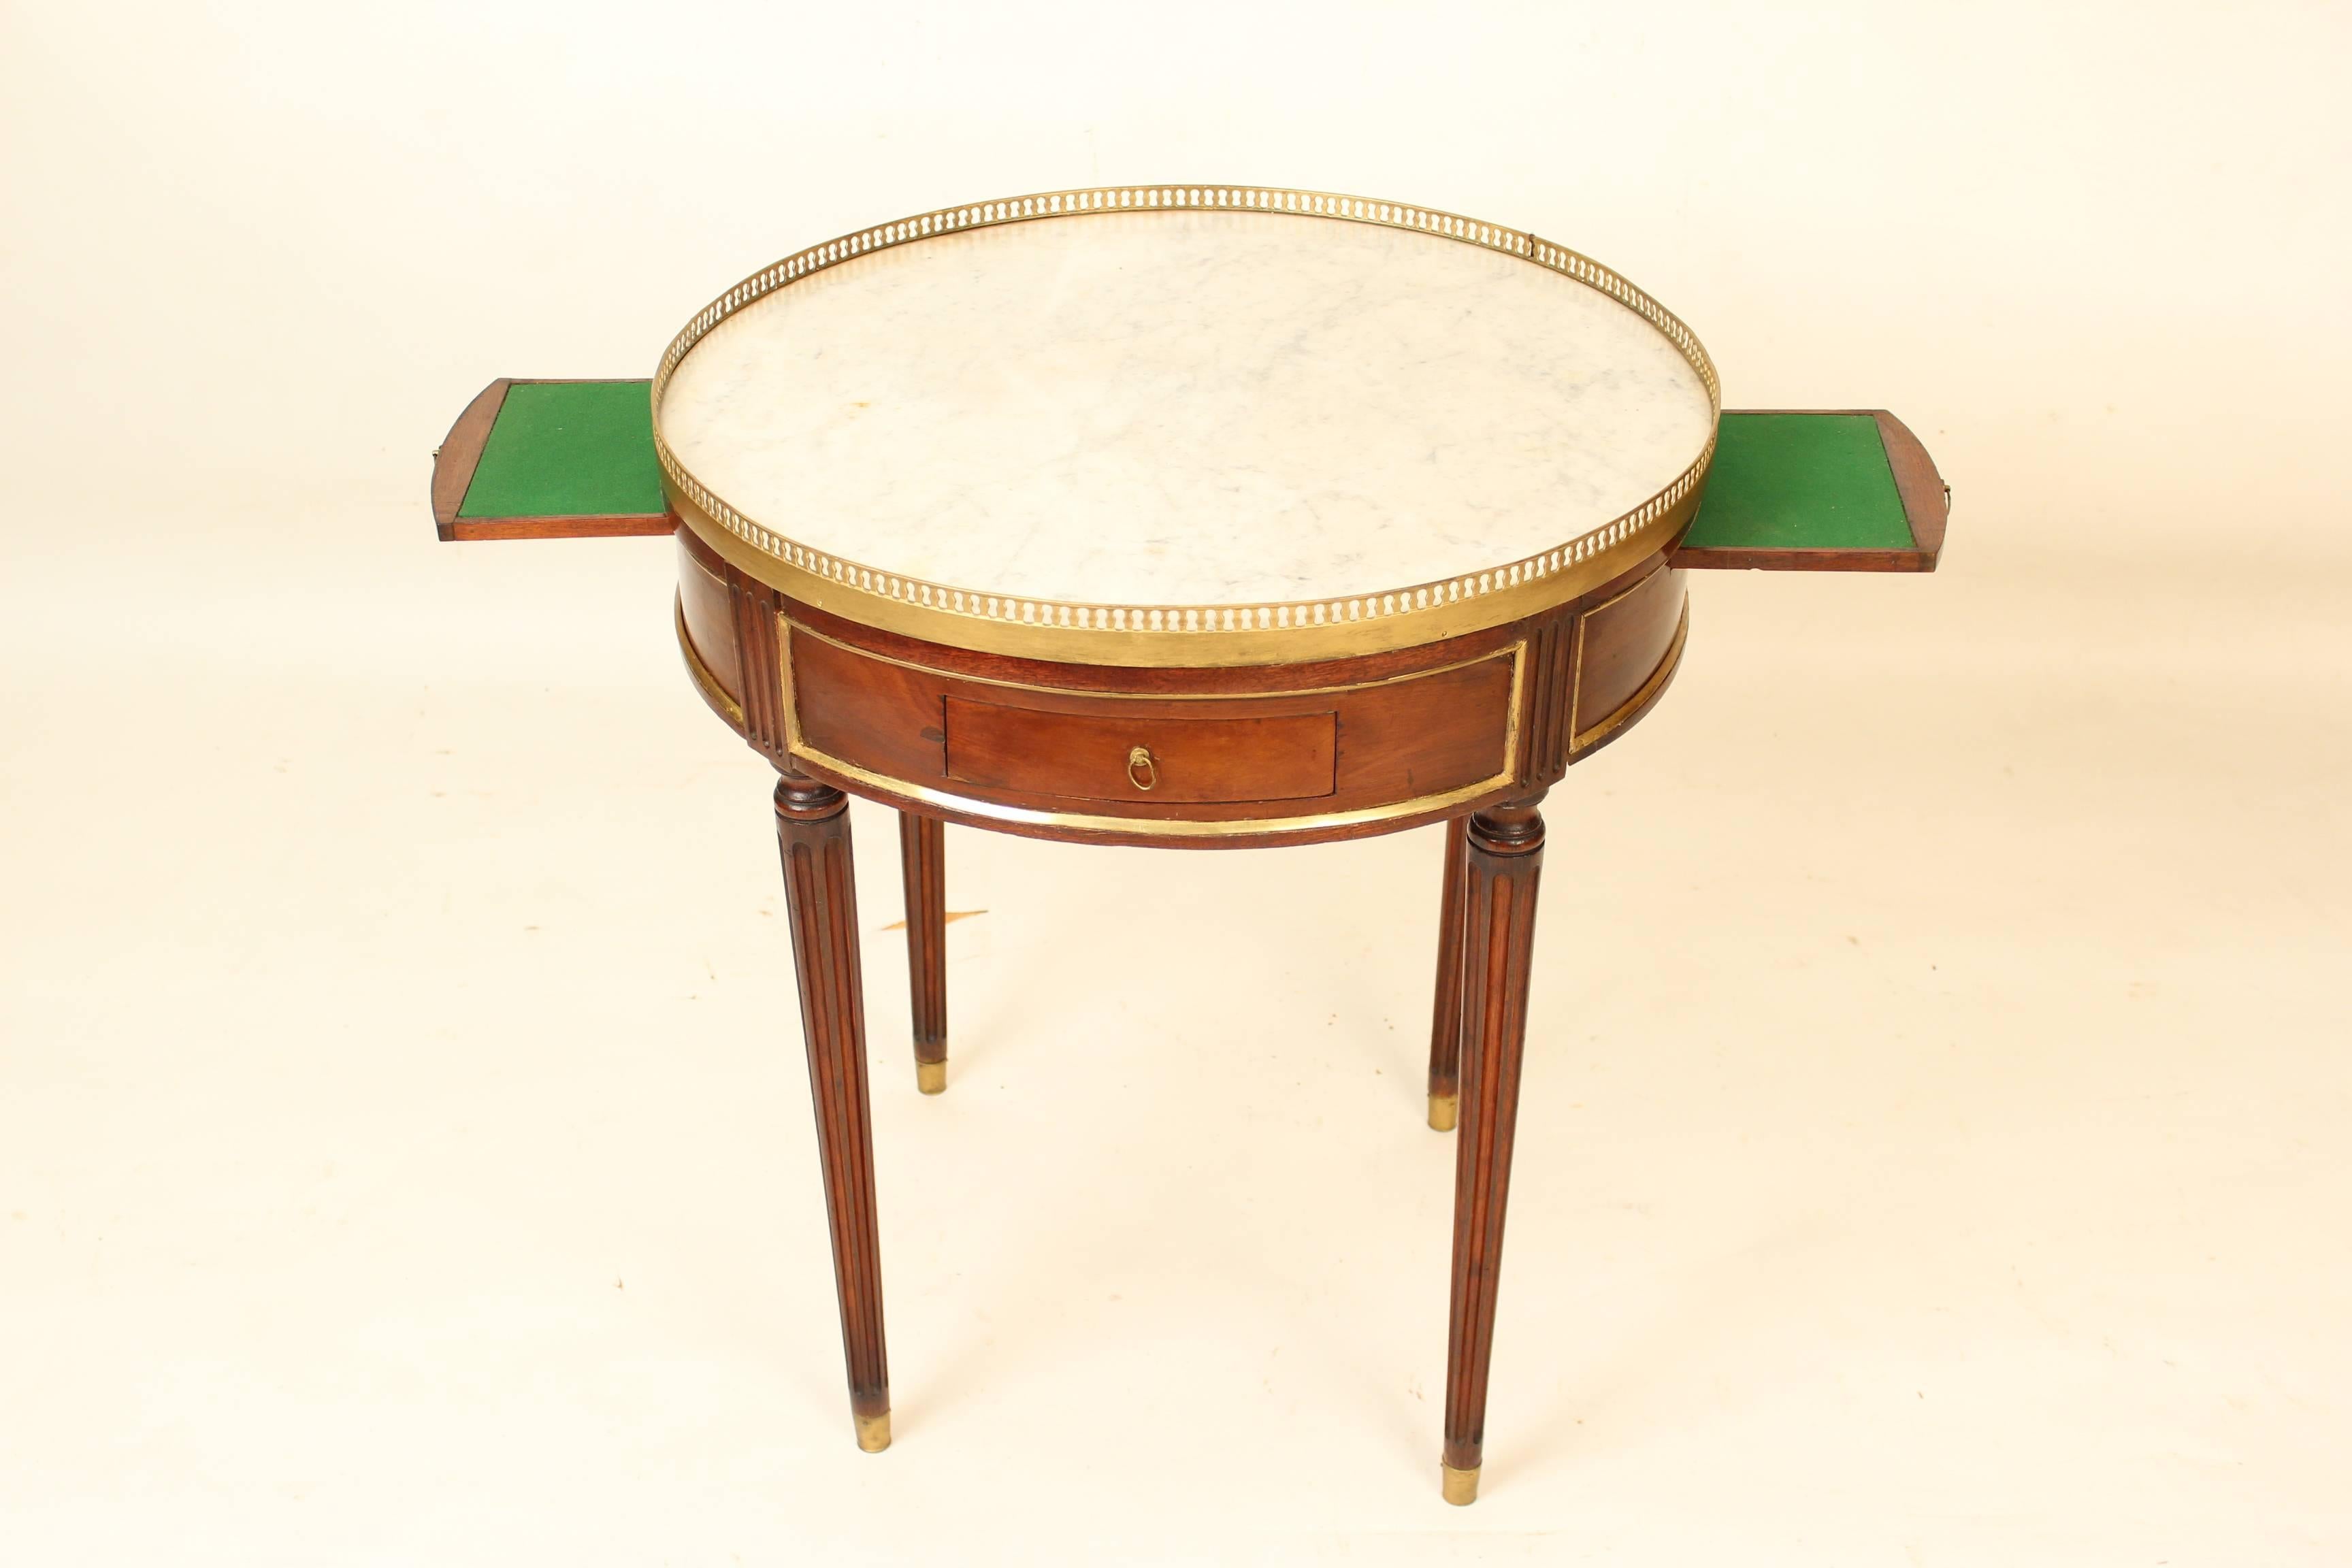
column 569, row 448
column 1781, row 481
column 1799, row 481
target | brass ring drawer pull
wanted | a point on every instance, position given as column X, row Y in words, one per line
column 1140, row 758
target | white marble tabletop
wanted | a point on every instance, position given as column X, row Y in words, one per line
column 1185, row 407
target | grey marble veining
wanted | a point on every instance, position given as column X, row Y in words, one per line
column 1185, row 407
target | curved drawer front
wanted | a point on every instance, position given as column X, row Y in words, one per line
column 1184, row 760
column 1626, row 648
column 1170, row 762
column 708, row 610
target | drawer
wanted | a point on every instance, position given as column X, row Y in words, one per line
column 1142, row 758
column 1624, row 648
column 1002, row 742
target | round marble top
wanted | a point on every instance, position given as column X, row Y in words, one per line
column 1198, row 407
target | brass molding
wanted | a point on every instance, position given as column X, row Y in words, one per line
column 788, row 627
column 1186, row 635
column 1585, row 739
column 704, row 680
column 1146, row 826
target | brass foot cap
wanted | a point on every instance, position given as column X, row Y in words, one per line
column 874, row 1433
column 931, row 1078
column 1460, row 1485
column 1444, row 1109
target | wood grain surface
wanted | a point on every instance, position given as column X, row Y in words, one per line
column 821, row 899
column 1188, row 758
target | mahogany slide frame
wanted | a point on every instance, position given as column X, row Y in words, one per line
column 460, row 453
column 1926, row 503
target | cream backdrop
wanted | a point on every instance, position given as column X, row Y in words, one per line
column 1935, row 1142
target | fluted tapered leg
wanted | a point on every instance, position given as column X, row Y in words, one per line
column 922, row 864
column 1445, row 1025
column 1503, row 854
column 821, row 895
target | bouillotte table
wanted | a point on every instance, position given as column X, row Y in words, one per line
column 1198, row 516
